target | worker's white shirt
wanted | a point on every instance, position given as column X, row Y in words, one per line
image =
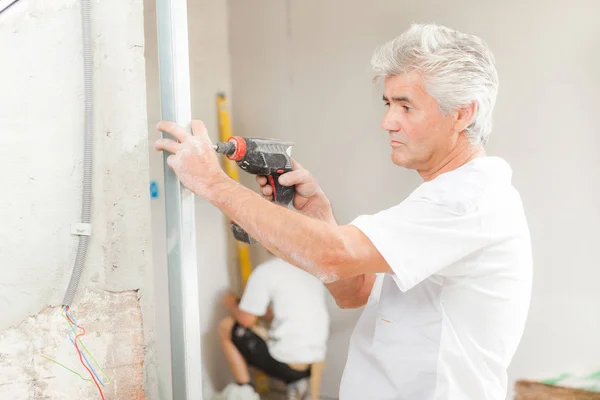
column 446, row 323
column 300, row 325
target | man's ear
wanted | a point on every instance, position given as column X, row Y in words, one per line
column 464, row 117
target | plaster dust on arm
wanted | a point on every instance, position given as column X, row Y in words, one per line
column 327, row 251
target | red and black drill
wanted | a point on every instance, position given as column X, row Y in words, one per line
column 268, row 157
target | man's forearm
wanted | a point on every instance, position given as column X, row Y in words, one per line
column 352, row 292
column 308, row 243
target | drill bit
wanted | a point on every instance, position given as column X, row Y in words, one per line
column 227, row 148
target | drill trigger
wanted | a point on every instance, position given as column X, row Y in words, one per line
column 272, row 183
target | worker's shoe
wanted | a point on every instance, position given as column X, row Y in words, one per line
column 233, row 391
column 297, row 390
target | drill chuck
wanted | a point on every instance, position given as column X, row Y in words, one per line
column 234, row 148
column 227, row 148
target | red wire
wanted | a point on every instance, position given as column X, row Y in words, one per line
column 81, row 358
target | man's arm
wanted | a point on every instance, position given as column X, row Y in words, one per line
column 352, row 292
column 311, row 201
column 326, row 251
column 242, row 317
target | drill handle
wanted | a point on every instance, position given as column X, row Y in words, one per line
column 282, row 195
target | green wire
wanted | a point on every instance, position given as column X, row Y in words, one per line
column 67, row 368
column 88, row 352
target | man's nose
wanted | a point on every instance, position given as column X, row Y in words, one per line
column 390, row 124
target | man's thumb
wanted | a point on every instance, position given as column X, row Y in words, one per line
column 296, row 177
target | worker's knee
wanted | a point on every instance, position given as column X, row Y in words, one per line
column 225, row 327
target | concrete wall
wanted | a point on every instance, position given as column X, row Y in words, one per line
column 41, row 114
column 210, row 74
column 300, row 71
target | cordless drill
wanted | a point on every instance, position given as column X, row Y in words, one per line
column 268, row 157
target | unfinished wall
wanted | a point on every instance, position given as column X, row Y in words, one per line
column 300, row 71
column 41, row 114
column 27, row 373
column 210, row 74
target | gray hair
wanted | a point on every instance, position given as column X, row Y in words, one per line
column 458, row 69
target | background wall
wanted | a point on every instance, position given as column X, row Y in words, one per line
column 300, row 71
column 41, row 115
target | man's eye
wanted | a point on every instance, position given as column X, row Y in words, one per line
column 407, row 108
column 386, row 104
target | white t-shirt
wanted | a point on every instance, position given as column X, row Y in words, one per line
column 446, row 323
column 300, row 326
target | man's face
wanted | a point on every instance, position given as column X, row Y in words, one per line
column 420, row 134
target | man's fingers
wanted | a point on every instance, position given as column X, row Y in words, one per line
column 199, row 129
column 173, row 129
column 296, row 177
column 167, row 144
column 171, row 161
column 261, row 180
column 266, row 190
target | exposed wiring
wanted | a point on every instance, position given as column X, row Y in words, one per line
column 80, row 354
column 74, row 326
column 106, row 377
column 86, row 367
column 67, row 368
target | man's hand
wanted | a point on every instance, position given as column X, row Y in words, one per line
column 309, row 199
column 193, row 159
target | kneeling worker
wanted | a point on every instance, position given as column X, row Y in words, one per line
column 297, row 337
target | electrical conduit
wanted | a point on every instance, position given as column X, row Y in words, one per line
column 86, row 206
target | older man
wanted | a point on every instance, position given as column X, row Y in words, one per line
column 446, row 274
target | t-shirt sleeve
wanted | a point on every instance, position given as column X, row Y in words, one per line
column 419, row 238
column 257, row 294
